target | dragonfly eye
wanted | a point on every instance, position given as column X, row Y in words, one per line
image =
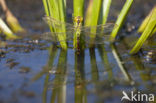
column 78, row 19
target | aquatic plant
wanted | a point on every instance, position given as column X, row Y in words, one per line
column 100, row 9
column 147, row 28
column 120, row 20
column 11, row 21
column 6, row 30
column 56, row 9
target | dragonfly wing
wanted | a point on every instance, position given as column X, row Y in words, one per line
column 97, row 34
column 48, row 36
column 58, row 24
column 56, row 37
column 102, row 40
column 106, row 29
column 96, row 40
column 100, row 30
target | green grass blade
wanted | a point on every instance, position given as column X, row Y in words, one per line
column 56, row 9
column 145, row 22
column 65, row 2
column 11, row 20
column 46, row 8
column 105, row 10
column 78, row 6
column 47, row 11
column 13, row 23
column 122, row 16
column 147, row 33
column 93, row 18
column 62, row 18
column 6, row 30
column 88, row 13
column 94, row 14
column 62, row 15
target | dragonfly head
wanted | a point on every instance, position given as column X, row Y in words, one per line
column 78, row 19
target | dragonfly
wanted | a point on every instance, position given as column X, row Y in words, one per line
column 101, row 35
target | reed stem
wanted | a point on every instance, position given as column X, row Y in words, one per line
column 121, row 18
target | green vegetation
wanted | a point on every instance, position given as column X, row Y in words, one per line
column 105, row 10
column 60, row 73
column 93, row 18
column 56, row 9
column 57, row 71
column 12, row 22
column 6, row 30
column 121, row 18
column 148, row 27
column 97, row 13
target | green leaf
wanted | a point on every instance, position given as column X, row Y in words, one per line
column 120, row 20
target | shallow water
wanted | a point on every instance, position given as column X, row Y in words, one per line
column 39, row 72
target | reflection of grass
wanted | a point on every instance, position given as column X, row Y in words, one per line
column 60, row 80
column 94, row 68
column 104, row 58
column 80, row 86
column 56, row 83
column 121, row 66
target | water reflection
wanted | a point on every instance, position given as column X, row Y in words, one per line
column 93, row 75
column 87, row 76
